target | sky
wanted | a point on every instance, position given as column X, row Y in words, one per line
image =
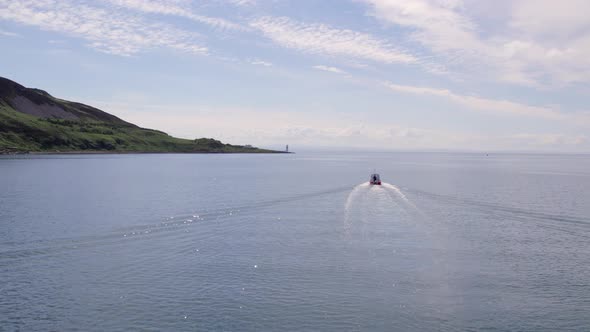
column 470, row 75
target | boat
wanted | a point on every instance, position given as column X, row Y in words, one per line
column 375, row 179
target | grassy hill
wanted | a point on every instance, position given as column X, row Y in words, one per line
column 32, row 120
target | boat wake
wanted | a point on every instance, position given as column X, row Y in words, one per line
column 371, row 204
column 178, row 225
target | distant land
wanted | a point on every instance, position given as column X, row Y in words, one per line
column 33, row 121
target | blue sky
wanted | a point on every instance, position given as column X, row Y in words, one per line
column 378, row 74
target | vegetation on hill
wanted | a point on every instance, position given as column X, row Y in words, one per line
column 65, row 126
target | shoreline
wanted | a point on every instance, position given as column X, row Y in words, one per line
column 3, row 153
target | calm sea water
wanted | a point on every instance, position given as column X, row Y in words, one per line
column 451, row 242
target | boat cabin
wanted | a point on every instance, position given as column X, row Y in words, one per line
column 375, row 179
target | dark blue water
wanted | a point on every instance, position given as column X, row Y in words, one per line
column 451, row 242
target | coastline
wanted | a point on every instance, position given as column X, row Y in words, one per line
column 5, row 153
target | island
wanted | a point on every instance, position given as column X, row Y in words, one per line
column 33, row 121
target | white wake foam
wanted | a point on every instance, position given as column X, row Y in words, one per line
column 396, row 193
column 367, row 203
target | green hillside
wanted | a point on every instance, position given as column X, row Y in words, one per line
column 32, row 120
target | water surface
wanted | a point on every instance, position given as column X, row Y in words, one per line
column 451, row 242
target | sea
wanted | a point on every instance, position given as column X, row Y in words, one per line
column 295, row 242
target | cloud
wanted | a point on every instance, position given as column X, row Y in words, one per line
column 9, row 34
column 437, row 24
column 479, row 103
column 176, row 8
column 243, row 2
column 111, row 32
column 443, row 28
column 550, row 19
column 550, row 40
column 261, row 63
column 329, row 69
column 534, row 43
column 324, row 40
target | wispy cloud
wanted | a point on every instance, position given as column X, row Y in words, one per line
column 261, row 63
column 179, row 8
column 8, row 34
column 242, row 2
column 324, row 40
column 329, row 69
column 479, row 103
column 107, row 31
